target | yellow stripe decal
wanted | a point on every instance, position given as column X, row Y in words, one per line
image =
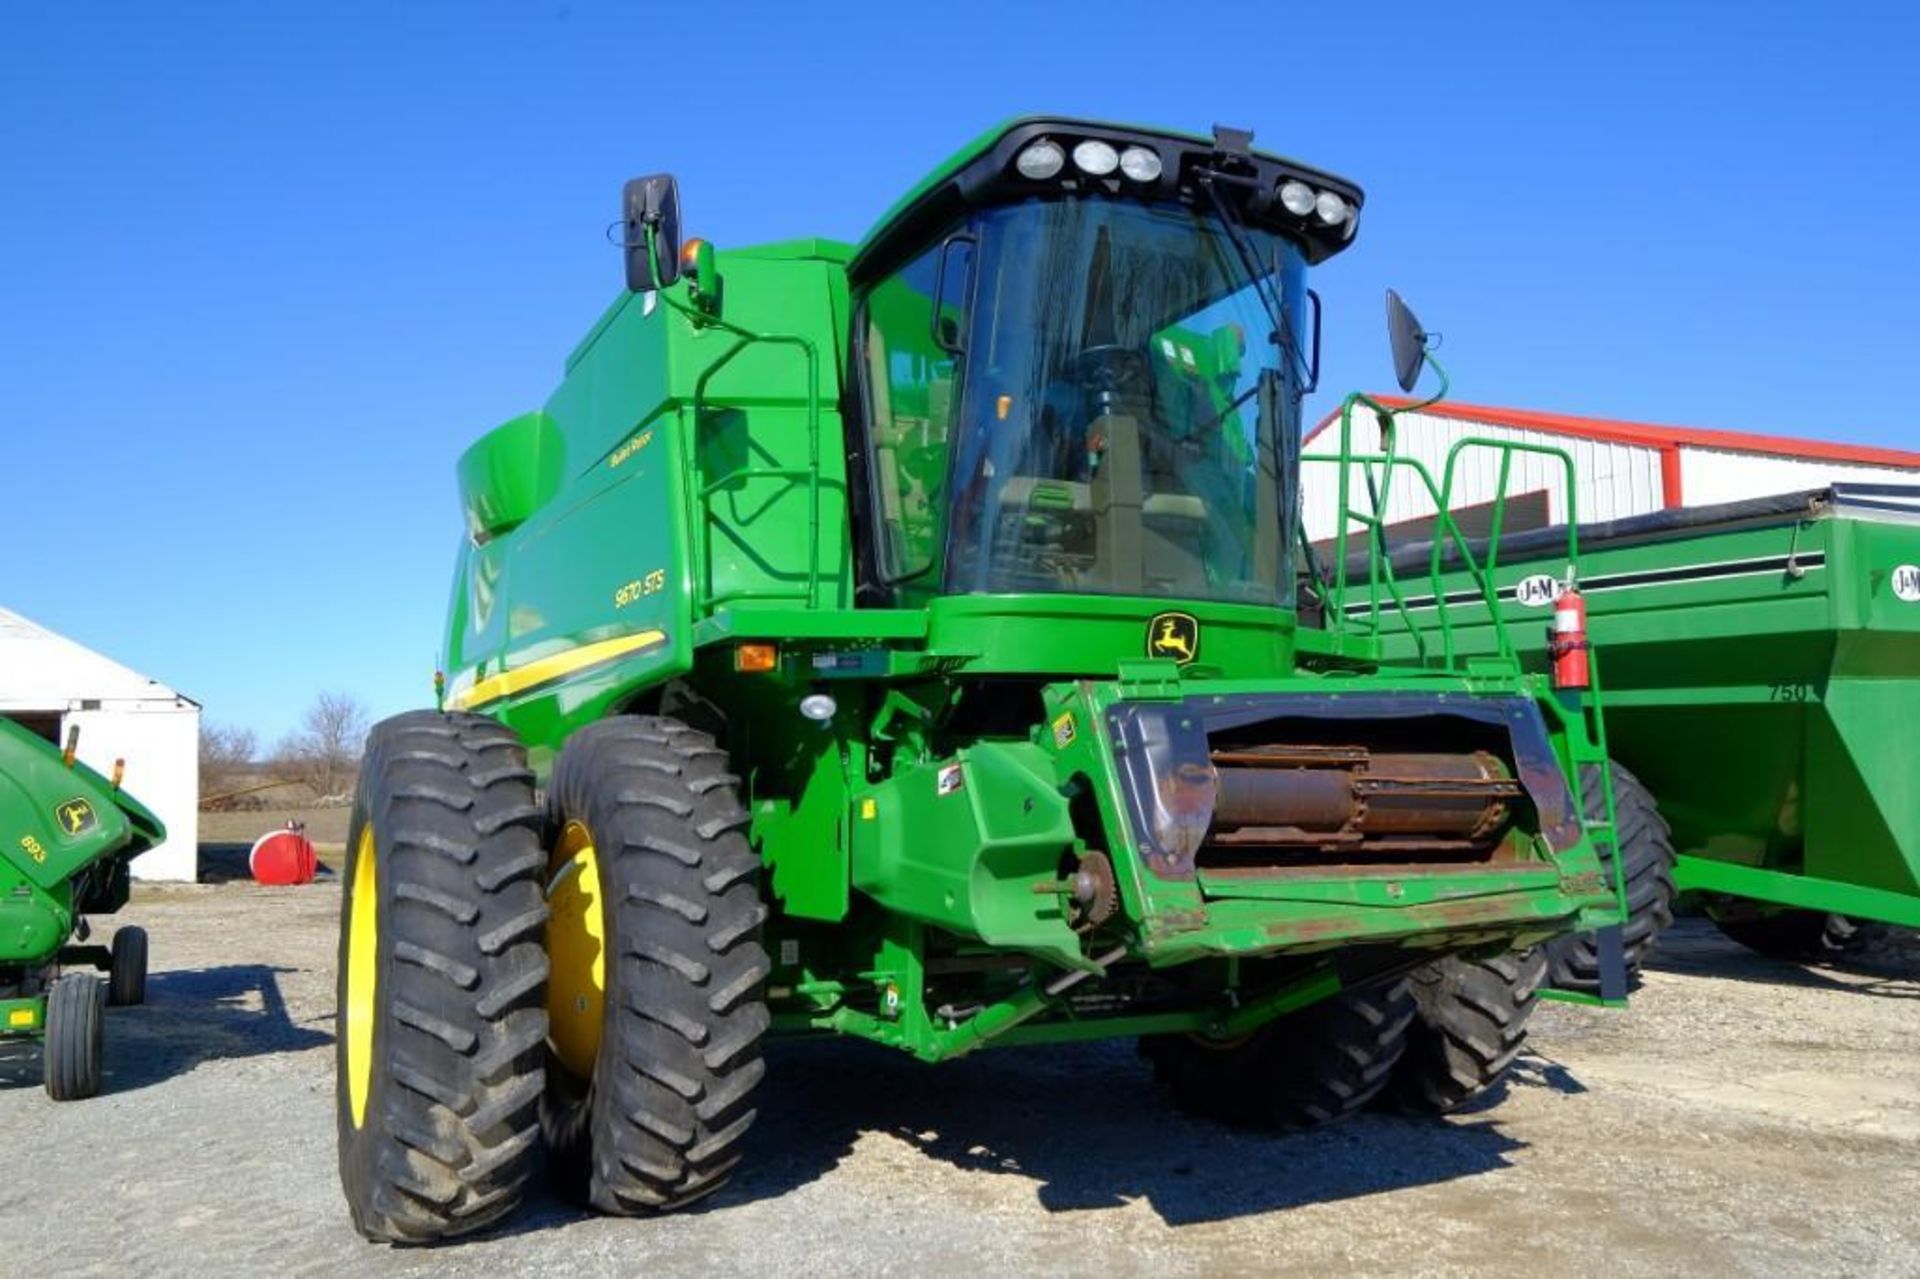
column 540, row 671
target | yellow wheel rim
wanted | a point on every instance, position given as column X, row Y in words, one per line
column 576, row 949
column 363, row 968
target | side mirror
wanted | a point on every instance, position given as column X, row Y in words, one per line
column 651, row 231
column 1409, row 342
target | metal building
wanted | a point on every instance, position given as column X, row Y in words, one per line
column 52, row 685
column 1621, row 468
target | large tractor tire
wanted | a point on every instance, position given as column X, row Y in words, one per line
column 442, row 980
column 658, row 995
column 127, row 971
column 1646, row 841
column 1797, row 936
column 1470, row 1025
column 70, row 1062
column 1306, row 1069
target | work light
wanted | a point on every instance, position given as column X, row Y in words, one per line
column 1041, row 160
column 1140, row 164
column 1330, row 208
column 1095, row 158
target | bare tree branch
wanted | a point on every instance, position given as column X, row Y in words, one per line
column 325, row 751
column 226, row 757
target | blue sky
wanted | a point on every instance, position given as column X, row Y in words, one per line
column 266, row 269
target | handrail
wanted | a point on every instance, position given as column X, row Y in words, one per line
column 811, row 472
column 1487, row 578
column 1447, row 533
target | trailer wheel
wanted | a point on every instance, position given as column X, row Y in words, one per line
column 76, row 1004
column 1797, row 936
column 442, row 981
column 1471, row 1024
column 127, row 974
column 1305, row 1069
column 1573, row 961
column 657, row 1003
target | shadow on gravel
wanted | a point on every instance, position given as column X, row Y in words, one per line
column 1532, row 1069
column 191, row 1016
column 201, row 1014
column 1083, row 1122
column 1695, row 948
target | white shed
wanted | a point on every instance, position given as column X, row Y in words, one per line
column 1621, row 468
column 51, row 685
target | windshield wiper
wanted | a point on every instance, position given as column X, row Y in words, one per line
column 1262, row 281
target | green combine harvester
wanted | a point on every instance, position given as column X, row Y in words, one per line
column 67, row 835
column 1761, row 661
column 898, row 640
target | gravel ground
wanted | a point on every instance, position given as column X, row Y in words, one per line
column 1744, row 1117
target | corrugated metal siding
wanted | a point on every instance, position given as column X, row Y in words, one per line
column 1613, row 480
column 1720, row 475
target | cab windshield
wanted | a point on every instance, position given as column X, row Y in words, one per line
column 1099, row 407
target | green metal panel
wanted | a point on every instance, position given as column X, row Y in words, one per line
column 1093, row 634
column 56, row 820
column 684, row 507
column 963, row 845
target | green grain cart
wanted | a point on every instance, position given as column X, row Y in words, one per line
column 67, row 835
column 1761, row 660
column 898, row 640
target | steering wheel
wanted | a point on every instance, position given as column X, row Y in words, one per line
column 1122, row 370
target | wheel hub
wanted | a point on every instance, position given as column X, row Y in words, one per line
column 363, row 956
column 576, row 949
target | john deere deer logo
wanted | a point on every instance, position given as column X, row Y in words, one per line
column 76, row 816
column 1175, row 635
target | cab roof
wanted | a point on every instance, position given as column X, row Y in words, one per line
column 974, row 174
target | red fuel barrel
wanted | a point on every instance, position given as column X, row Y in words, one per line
column 283, row 857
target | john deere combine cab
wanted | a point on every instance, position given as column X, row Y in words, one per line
column 899, row 641
column 67, row 835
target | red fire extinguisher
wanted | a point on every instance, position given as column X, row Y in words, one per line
column 1567, row 641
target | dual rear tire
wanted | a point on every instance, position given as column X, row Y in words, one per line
column 1300, row 1071
column 647, row 1104
column 441, row 980
column 1469, row 1025
column 447, row 1077
column 1428, row 1043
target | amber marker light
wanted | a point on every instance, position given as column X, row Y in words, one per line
column 755, row 659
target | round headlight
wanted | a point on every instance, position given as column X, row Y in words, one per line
column 1330, row 208
column 1041, row 160
column 1140, row 164
column 1297, row 198
column 1095, row 158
